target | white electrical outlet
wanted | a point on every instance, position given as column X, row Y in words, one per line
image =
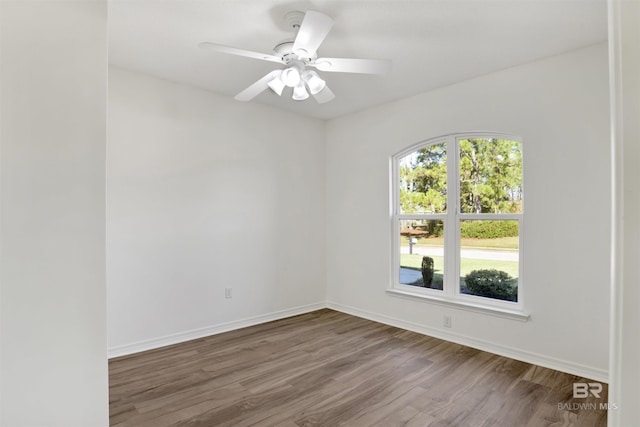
column 227, row 293
column 447, row 321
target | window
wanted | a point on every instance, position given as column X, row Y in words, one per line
column 457, row 220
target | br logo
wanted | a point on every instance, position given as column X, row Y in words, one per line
column 584, row 390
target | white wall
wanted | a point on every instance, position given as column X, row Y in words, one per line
column 560, row 107
column 53, row 80
column 204, row 193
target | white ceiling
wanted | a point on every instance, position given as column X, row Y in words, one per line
column 431, row 43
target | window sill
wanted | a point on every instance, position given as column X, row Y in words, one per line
column 462, row 305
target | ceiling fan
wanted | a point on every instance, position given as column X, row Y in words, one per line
column 299, row 56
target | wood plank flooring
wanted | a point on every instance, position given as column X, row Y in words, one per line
column 330, row 369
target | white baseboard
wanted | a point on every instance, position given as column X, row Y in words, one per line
column 123, row 350
column 501, row 350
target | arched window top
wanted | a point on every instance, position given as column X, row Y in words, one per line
column 489, row 174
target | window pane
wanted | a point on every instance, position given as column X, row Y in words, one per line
column 423, row 180
column 422, row 253
column 490, row 176
column 489, row 258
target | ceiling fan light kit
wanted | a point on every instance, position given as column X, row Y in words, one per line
column 276, row 84
column 313, row 80
column 291, row 75
column 300, row 92
column 312, row 28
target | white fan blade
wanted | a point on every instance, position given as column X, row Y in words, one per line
column 314, row 28
column 240, row 52
column 349, row 65
column 258, row 87
column 325, row 95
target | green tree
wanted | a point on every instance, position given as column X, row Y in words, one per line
column 423, row 177
column 490, row 175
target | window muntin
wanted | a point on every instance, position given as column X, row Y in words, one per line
column 459, row 201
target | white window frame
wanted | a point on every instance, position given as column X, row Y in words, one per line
column 450, row 294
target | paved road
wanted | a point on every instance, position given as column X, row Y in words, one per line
column 491, row 255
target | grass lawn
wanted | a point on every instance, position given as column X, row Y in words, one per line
column 503, row 243
column 414, row 261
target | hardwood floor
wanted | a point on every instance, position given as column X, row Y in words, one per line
column 327, row 369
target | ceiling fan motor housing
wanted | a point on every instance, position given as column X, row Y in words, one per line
column 284, row 51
